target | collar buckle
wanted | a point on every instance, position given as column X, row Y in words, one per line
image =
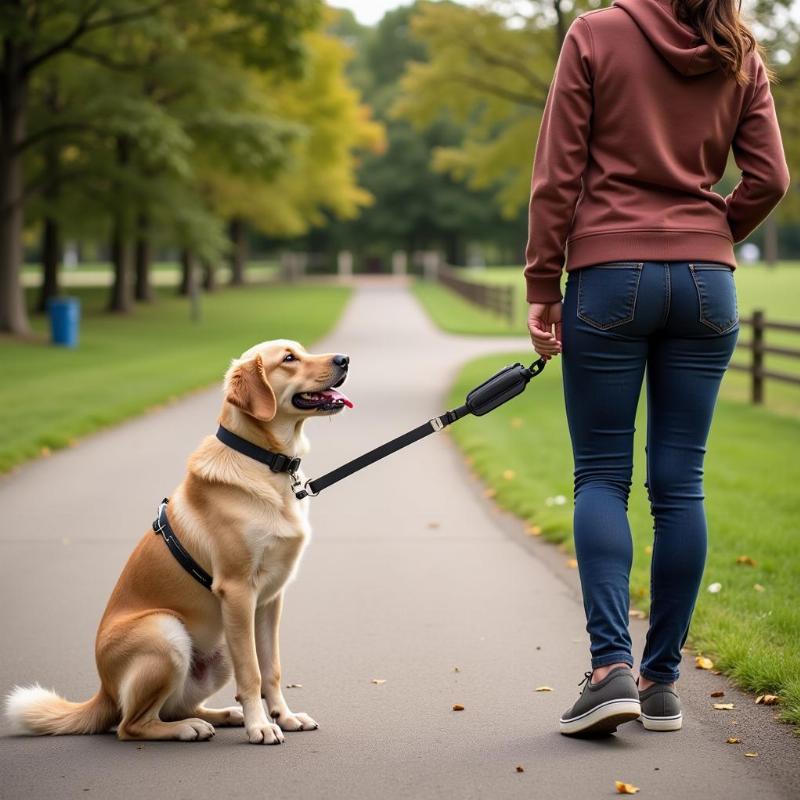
column 282, row 463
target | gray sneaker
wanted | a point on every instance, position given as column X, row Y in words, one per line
column 603, row 705
column 661, row 708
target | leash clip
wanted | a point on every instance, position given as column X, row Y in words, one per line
column 437, row 424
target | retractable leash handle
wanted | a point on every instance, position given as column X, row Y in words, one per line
column 497, row 390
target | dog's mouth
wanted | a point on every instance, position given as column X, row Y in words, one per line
column 330, row 399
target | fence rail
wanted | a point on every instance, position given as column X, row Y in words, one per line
column 759, row 325
column 498, row 299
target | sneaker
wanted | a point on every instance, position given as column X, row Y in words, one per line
column 661, row 708
column 604, row 705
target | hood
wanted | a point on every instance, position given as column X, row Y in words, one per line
column 676, row 42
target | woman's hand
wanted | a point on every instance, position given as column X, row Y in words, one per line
column 542, row 317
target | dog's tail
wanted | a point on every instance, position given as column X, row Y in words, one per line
column 38, row 711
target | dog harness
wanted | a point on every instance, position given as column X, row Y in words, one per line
column 500, row 388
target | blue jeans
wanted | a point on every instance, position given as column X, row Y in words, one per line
column 679, row 322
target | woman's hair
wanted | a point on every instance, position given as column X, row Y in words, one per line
column 720, row 26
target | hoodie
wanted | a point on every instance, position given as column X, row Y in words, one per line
column 635, row 134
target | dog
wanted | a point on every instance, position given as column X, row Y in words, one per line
column 165, row 642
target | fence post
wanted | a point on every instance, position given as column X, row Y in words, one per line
column 758, row 357
column 345, row 264
column 399, row 262
column 430, row 263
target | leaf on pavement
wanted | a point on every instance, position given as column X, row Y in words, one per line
column 746, row 561
column 520, row 768
column 718, row 693
column 543, row 689
column 767, row 700
column 701, row 662
column 625, row 788
column 294, row 685
column 379, row 681
column 732, row 740
column 456, row 669
column 533, row 530
column 458, row 707
column 751, row 755
column 724, row 706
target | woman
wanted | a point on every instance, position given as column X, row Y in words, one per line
column 647, row 101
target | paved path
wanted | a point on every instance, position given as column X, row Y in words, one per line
column 381, row 594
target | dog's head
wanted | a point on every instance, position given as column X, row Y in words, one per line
column 281, row 378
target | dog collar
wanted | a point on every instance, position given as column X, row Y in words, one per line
column 277, row 462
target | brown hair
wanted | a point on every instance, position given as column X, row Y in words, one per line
column 719, row 24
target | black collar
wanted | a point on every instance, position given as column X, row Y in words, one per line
column 277, row 462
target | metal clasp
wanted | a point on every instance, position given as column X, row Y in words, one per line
column 437, row 424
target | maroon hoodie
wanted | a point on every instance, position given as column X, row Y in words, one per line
column 636, row 131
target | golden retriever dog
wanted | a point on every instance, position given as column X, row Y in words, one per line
column 165, row 642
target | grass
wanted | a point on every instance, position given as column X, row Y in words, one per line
column 124, row 365
column 773, row 289
column 522, row 451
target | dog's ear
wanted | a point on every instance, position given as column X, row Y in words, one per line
column 247, row 387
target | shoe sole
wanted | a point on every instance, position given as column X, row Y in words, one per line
column 602, row 719
column 662, row 723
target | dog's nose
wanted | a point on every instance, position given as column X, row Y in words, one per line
column 341, row 360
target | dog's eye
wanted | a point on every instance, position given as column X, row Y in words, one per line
column 289, row 357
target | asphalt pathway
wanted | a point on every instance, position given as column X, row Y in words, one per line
column 410, row 575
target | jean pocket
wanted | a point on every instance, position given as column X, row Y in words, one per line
column 716, row 295
column 607, row 293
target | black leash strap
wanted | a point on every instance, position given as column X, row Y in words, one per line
column 161, row 526
column 498, row 389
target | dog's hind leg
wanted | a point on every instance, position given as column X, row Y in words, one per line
column 156, row 670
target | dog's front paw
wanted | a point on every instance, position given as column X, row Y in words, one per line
column 296, row 722
column 264, row 733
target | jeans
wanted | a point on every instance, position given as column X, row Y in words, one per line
column 679, row 322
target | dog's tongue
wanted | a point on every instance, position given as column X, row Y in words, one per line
column 335, row 394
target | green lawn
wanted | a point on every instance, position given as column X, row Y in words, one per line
column 522, row 452
column 49, row 396
column 773, row 289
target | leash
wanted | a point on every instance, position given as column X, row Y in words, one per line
column 497, row 390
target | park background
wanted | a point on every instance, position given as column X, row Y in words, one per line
column 203, row 177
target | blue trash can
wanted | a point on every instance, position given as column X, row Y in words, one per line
column 65, row 317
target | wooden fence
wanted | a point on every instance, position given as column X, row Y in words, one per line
column 498, row 299
column 759, row 325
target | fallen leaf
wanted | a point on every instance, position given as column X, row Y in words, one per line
column 751, row 755
column 718, row 693
column 294, row 685
column 456, row 669
column 758, row 587
column 746, row 561
column 701, row 662
column 732, row 740
column 379, row 681
column 520, row 768
column 724, row 706
column 458, row 707
column 533, row 530
column 715, row 588
column 572, row 563
column 516, row 422
column 767, row 699
column 625, row 788
column 649, row 549
column 509, row 474
column 543, row 689
column 637, row 614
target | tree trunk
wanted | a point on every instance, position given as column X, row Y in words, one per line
column 51, row 260
column 771, row 241
column 186, row 273
column 209, row 276
column 238, row 236
column 13, row 107
column 143, row 291
column 121, row 298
